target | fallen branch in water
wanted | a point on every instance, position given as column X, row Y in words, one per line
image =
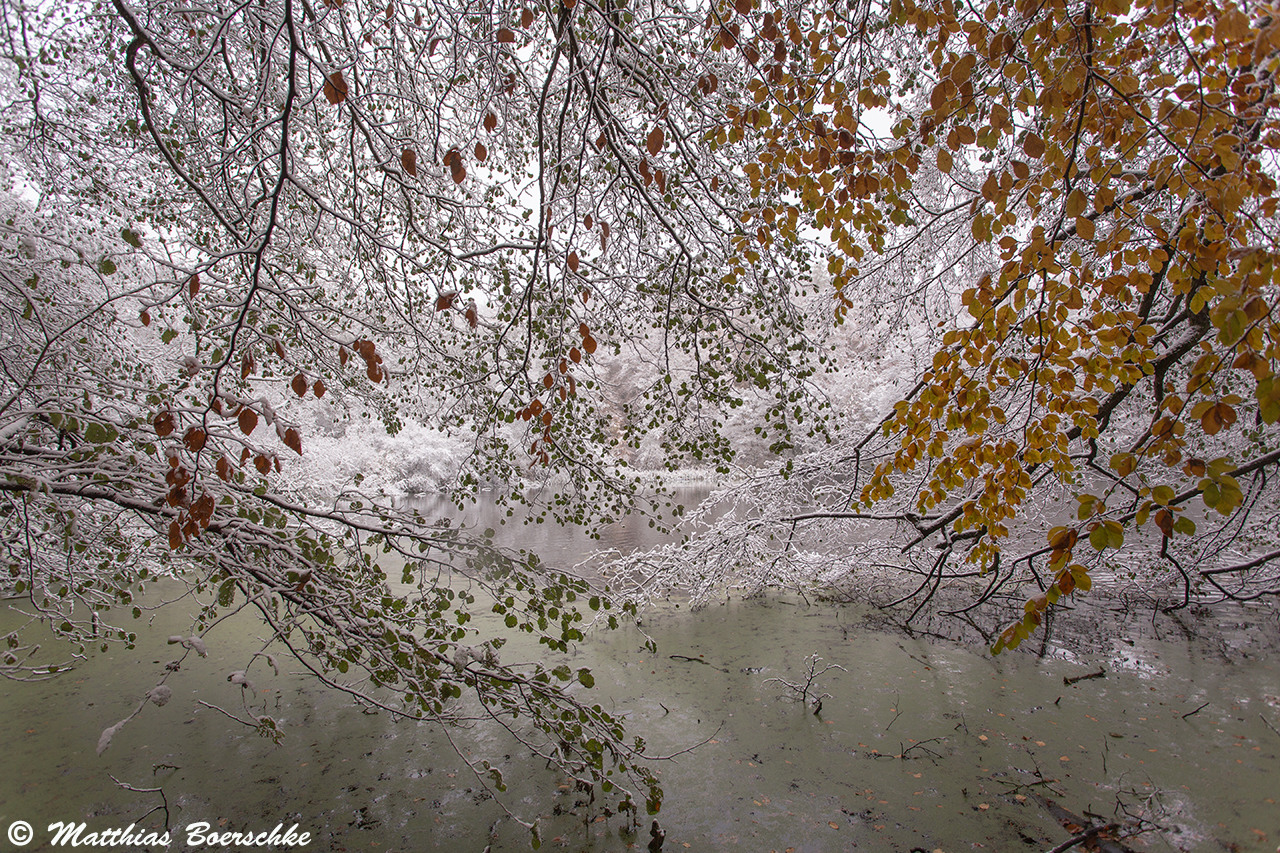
column 1081, row 837
column 1101, row 673
column 1196, row 711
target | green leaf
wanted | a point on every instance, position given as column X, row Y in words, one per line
column 586, row 679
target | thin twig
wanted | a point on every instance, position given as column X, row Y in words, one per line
column 1196, row 711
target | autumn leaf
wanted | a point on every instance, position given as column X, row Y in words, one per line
column 490, row 121
column 335, row 88
column 573, row 261
column 164, row 423
column 409, row 162
column 505, row 36
column 299, row 385
column 318, row 388
column 248, row 420
column 293, row 440
column 194, row 439
column 654, row 141
column 482, row 153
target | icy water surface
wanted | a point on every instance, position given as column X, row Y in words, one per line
column 919, row 745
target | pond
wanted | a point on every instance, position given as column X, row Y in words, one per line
column 918, row 746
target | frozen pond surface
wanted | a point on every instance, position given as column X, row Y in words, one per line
column 920, row 745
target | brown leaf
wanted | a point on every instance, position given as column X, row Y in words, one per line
column 246, row 365
column 343, row 356
column 575, row 355
column 175, row 536
column 573, row 261
column 548, row 381
column 445, row 300
column 742, row 7
column 588, row 222
column 1033, row 146
column 195, row 439
column 459, row 174
column 293, row 441
column 164, row 423
column 224, row 468
column 505, row 36
column 727, row 38
column 526, row 18
column 482, row 153
column 409, row 161
column 604, row 236
column 490, row 121
column 655, row 139
column 193, row 285
column 248, row 420
column 318, row 388
column 145, row 317
column 473, row 317
column 299, row 385
column 589, row 344
column 262, row 463
column 335, row 88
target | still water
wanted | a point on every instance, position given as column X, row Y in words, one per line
column 920, row 745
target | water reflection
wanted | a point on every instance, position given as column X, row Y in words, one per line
column 920, row 745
